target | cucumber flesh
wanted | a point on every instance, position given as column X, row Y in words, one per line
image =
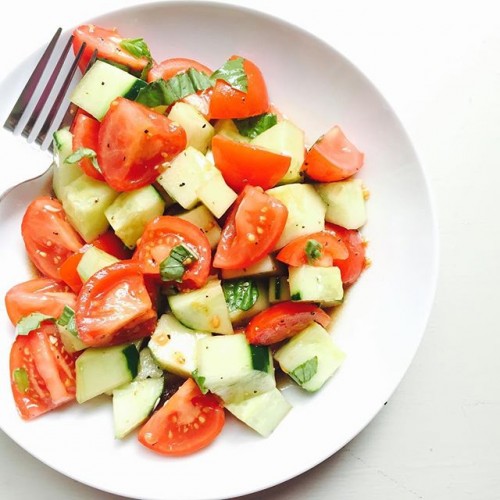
column 279, row 289
column 63, row 173
column 316, row 284
column 268, row 266
column 216, row 195
column 94, row 259
column 201, row 217
column 148, row 368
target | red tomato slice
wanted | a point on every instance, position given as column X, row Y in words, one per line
column 49, row 238
column 171, row 67
column 110, row 243
column 228, row 102
column 69, row 273
column 43, row 295
column 107, row 43
column 332, row 248
column 251, row 231
column 114, row 306
column 188, row 422
column 282, row 321
column 353, row 265
column 42, row 372
column 85, row 135
column 164, row 233
column 242, row 164
column 134, row 141
column 333, row 157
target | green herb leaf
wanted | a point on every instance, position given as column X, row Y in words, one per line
column 21, row 379
column 31, row 322
column 240, row 294
column 174, row 266
column 313, row 250
column 233, row 73
column 166, row 92
column 255, row 125
column 82, row 153
column 200, row 381
column 136, row 46
column 67, row 319
column 306, row 371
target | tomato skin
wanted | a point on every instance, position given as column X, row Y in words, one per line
column 242, row 164
column 227, row 102
column 188, row 422
column 69, row 273
column 107, row 42
column 48, row 237
column 44, row 295
column 114, row 306
column 110, row 243
column 171, row 67
column 134, row 142
column 333, row 157
column 332, row 248
column 49, row 368
column 85, row 135
column 252, row 229
column 353, row 265
column 164, row 233
column 282, row 321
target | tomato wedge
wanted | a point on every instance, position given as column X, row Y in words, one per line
column 282, row 321
column 49, row 238
column 85, row 135
column 353, row 265
column 228, row 102
column 114, row 306
column 164, row 233
column 110, row 243
column 134, row 141
column 107, row 42
column 242, row 164
column 43, row 295
column 252, row 229
column 171, row 67
column 42, row 372
column 331, row 248
column 333, row 157
column 188, row 422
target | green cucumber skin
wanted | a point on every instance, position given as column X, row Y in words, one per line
column 132, row 356
column 260, row 357
column 133, row 92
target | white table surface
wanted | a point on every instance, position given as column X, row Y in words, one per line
column 438, row 63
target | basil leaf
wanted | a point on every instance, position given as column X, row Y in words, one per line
column 306, row 371
column 255, row 125
column 233, row 73
column 313, row 250
column 137, row 47
column 67, row 319
column 21, row 379
column 82, row 153
column 31, row 322
column 166, row 92
column 200, row 381
column 241, row 294
column 174, row 266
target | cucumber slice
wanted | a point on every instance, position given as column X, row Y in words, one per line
column 173, row 346
column 130, row 212
column 198, row 130
column 306, row 211
column 85, row 203
column 216, row 195
column 204, row 309
column 279, row 289
column 233, row 369
column 63, row 173
column 311, row 357
column 101, row 85
column 316, row 284
column 201, row 217
column 263, row 413
column 228, row 128
column 345, row 201
column 101, row 369
column 72, row 343
column 94, row 259
column 133, row 403
column 268, row 266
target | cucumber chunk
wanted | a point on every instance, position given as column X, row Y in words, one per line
column 306, row 211
column 133, row 403
column 94, row 259
column 201, row 217
column 72, row 343
column 228, row 128
column 263, row 413
column 311, row 357
column 101, row 369
column 268, row 266
column 130, row 212
column 345, row 201
column 204, row 309
column 63, row 173
column 173, row 346
column 279, row 289
column 316, row 284
column 239, row 316
column 233, row 369
column 101, row 85
column 148, row 368
column 216, row 195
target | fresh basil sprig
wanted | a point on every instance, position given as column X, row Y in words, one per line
column 31, row 322
column 306, row 371
column 233, row 73
column 174, row 266
column 21, row 379
column 241, row 294
column 82, row 153
column 200, row 381
column 255, row 125
column 313, row 250
column 138, row 48
column 67, row 319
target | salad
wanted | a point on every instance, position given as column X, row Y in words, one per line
column 190, row 251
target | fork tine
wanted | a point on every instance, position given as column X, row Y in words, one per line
column 60, row 96
column 47, row 90
column 29, row 89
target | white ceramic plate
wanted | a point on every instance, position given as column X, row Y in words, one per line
column 380, row 325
